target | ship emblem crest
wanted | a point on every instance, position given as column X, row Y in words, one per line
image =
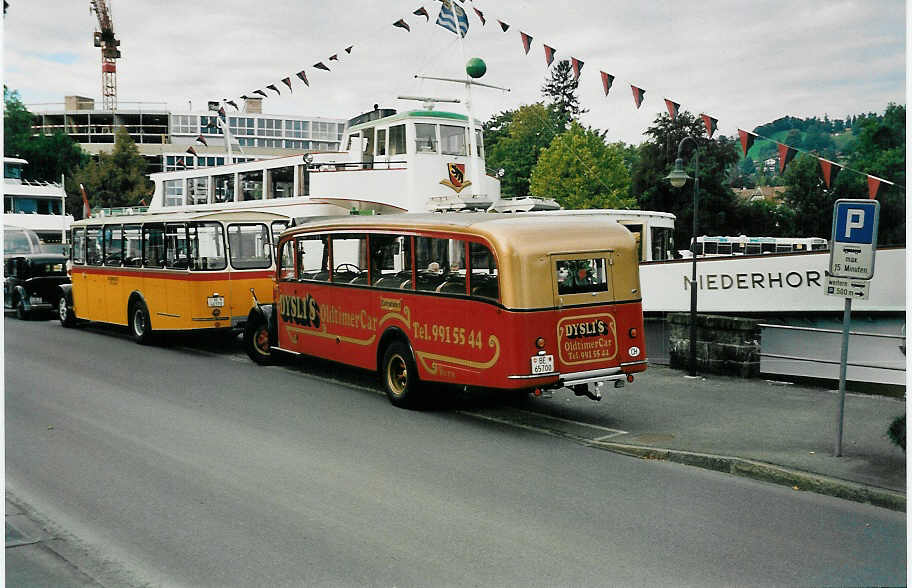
column 457, row 179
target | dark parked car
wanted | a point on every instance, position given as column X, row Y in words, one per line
column 31, row 282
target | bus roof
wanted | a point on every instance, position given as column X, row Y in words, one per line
column 234, row 215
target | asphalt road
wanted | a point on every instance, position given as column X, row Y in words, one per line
column 184, row 464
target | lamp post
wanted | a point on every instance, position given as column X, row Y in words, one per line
column 678, row 177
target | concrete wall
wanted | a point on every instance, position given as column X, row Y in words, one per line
column 725, row 345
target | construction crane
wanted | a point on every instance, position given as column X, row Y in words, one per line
column 104, row 38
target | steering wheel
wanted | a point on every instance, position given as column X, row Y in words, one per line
column 348, row 267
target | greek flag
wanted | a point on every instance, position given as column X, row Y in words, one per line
column 453, row 18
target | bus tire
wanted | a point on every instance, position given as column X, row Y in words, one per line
column 66, row 314
column 257, row 342
column 140, row 326
column 21, row 313
column 400, row 375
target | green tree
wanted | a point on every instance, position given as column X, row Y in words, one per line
column 808, row 197
column 531, row 129
column 560, row 92
column 49, row 156
column 113, row 179
column 718, row 209
column 579, row 170
column 495, row 129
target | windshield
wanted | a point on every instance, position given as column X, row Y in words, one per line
column 18, row 240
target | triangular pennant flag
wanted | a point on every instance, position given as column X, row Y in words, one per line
column 334, row 57
column 303, row 77
column 202, row 140
column 180, row 161
column 711, row 124
column 673, row 108
column 549, row 54
column 222, row 113
column 190, row 149
column 786, row 155
column 480, row 16
column 261, row 92
column 274, row 89
column 874, row 184
column 245, row 97
column 607, row 80
column 320, row 65
column 638, row 95
column 577, row 65
column 747, row 140
column 349, row 49
column 527, row 41
column 401, row 24
column 504, row 26
column 829, row 170
column 422, row 12
column 287, row 82
column 232, row 103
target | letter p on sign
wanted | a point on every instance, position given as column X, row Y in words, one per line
column 854, row 220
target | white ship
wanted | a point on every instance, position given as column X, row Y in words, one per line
column 34, row 205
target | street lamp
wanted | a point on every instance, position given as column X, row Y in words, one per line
column 678, row 177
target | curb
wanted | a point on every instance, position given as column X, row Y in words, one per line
column 766, row 472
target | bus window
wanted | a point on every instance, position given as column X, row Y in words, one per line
column 177, row 255
column 207, row 247
column 724, row 249
column 767, row 247
column 113, row 244
column 575, row 276
column 784, row 248
column 397, row 140
column 818, row 246
column 249, row 246
column 753, row 249
column 710, row 248
column 154, row 245
column 349, row 253
column 94, row 246
column 79, row 246
column 132, row 236
column 287, row 261
column 391, row 260
column 313, row 258
column 483, row 265
column 432, row 262
column 452, row 140
column 425, row 138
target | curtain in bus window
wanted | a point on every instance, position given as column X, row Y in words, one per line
column 154, row 245
column 425, row 138
column 94, row 246
column 391, row 260
column 452, row 140
column 113, row 244
column 397, row 140
column 287, row 261
column 132, row 236
column 575, row 276
column 313, row 258
column 483, row 265
column 79, row 242
column 249, row 246
column 177, row 254
column 207, row 247
column 349, row 256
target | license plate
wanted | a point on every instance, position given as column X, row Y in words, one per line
column 36, row 300
column 542, row 364
column 214, row 301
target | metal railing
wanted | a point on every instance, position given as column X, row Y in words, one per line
column 900, row 337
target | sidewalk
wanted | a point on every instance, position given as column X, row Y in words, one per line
column 777, row 432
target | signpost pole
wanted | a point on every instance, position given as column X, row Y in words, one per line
column 843, row 361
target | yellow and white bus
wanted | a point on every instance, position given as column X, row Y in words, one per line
column 169, row 272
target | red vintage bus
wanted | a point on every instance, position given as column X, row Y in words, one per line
column 489, row 300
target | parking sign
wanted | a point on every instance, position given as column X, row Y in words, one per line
column 854, row 238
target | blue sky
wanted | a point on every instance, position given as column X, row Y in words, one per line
column 745, row 63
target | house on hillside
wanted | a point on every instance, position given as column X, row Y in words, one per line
column 771, row 194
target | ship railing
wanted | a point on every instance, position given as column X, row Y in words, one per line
column 121, row 211
column 892, row 366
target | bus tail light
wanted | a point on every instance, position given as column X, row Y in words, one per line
column 633, row 332
column 630, row 378
column 540, row 343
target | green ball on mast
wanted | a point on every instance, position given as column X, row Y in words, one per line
column 476, row 68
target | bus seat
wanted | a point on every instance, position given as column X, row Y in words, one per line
column 452, row 286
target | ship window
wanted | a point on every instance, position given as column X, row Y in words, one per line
column 425, row 138
column 381, row 141
column 198, row 190
column 452, row 140
column 479, row 144
column 174, row 192
column 251, row 185
column 281, row 182
column 223, row 188
column 397, row 140
column 768, row 247
column 753, row 249
column 724, row 249
column 662, row 243
column 710, row 248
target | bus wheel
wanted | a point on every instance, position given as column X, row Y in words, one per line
column 400, row 376
column 257, row 343
column 65, row 313
column 21, row 313
column 140, row 327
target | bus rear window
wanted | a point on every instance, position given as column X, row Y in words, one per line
column 575, row 276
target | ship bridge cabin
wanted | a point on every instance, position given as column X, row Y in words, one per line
column 412, row 161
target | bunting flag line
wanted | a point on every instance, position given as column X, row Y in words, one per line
column 549, row 54
column 303, row 77
column 202, row 140
column 233, row 103
column 577, row 65
column 607, row 80
column 261, row 92
column 786, row 155
column 334, row 57
column 638, row 95
column 672, row 107
column 504, row 26
column 274, row 89
column 349, row 49
column 180, row 161
column 287, row 82
column 245, row 97
column 747, row 140
column 711, row 124
column 829, row 170
column 453, row 18
column 321, row 65
column 527, row 41
column 422, row 12
column 874, row 184
column 190, row 149
column 480, row 16
column 401, row 24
